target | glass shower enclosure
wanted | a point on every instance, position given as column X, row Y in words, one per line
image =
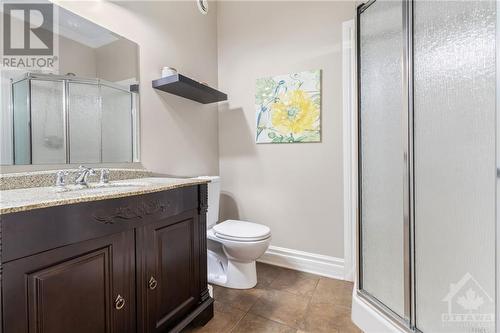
column 67, row 119
column 427, row 163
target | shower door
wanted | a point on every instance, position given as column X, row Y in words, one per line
column 382, row 163
column 48, row 144
column 454, row 117
column 427, row 163
column 71, row 120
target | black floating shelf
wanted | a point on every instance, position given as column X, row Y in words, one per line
column 183, row 86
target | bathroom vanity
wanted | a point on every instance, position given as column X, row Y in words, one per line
column 121, row 258
column 79, row 254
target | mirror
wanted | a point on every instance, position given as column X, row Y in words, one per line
column 76, row 105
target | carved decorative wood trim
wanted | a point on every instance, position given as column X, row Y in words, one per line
column 202, row 240
column 203, row 199
column 133, row 212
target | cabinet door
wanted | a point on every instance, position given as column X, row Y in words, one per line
column 84, row 287
column 170, row 276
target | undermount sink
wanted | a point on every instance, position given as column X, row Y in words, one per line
column 122, row 184
column 100, row 186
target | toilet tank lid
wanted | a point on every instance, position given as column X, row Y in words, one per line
column 213, row 179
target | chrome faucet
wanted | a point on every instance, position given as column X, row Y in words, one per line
column 104, row 176
column 60, row 178
column 81, row 179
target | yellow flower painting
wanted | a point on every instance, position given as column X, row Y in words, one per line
column 288, row 108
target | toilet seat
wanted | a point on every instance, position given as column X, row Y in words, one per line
column 241, row 231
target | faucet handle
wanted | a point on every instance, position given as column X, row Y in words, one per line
column 104, row 176
column 84, row 172
column 60, row 182
column 83, row 168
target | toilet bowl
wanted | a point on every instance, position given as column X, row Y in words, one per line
column 231, row 261
column 233, row 245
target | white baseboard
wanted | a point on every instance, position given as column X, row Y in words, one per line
column 304, row 261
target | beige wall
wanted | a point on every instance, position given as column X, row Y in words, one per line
column 296, row 189
column 178, row 136
column 117, row 61
column 76, row 58
column 113, row 62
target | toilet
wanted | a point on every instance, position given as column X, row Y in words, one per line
column 233, row 245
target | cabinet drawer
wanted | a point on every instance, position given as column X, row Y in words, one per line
column 49, row 228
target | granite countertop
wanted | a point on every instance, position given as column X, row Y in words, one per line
column 23, row 199
column 30, row 179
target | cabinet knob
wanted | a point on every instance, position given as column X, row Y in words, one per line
column 152, row 283
column 119, row 302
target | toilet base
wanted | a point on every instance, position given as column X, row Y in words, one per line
column 230, row 273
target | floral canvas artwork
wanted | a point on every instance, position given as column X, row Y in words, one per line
column 288, row 108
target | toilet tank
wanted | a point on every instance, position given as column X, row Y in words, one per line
column 213, row 200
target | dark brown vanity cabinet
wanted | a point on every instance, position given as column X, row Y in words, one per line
column 135, row 264
column 171, row 265
column 84, row 287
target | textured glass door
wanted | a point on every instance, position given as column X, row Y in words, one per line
column 454, row 142
column 84, row 123
column 382, row 146
column 21, row 120
column 116, row 125
column 48, row 136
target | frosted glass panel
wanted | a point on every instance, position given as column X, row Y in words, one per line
column 7, row 117
column 116, row 125
column 382, row 168
column 454, row 102
column 20, row 107
column 84, row 123
column 47, row 122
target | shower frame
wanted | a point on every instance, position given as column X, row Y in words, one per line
column 66, row 80
column 408, row 322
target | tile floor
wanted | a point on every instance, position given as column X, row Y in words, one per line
column 283, row 301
